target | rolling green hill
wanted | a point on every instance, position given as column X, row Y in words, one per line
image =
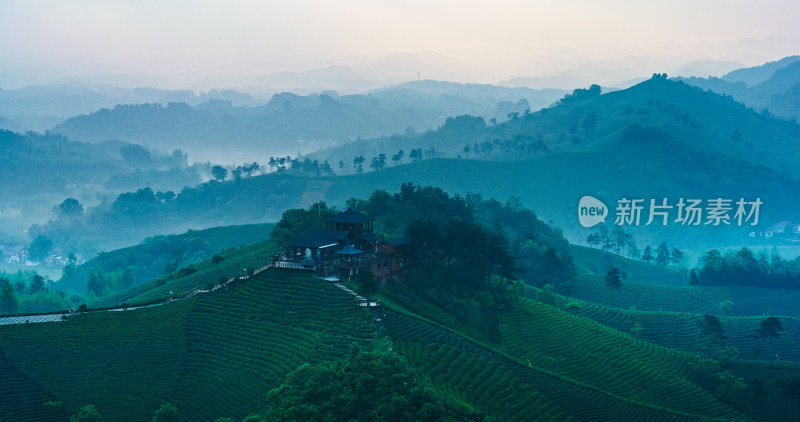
column 218, row 353
column 755, row 75
column 161, row 254
column 570, row 360
column 586, row 121
column 772, row 86
column 213, row 355
column 660, row 139
column 217, row 130
column 39, row 171
column 595, row 261
column 579, row 342
column 201, row 275
column 551, row 185
column 53, row 164
column 649, row 287
column 681, row 329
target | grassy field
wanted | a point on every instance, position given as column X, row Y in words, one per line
column 687, row 299
column 648, row 296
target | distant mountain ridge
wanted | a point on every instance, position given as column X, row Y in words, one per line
column 757, row 74
column 587, row 121
column 39, row 107
column 774, row 86
column 219, row 130
column 688, row 142
column 53, row 164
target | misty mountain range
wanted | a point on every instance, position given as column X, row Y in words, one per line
column 483, row 125
column 39, row 107
column 660, row 138
column 279, row 131
column 437, row 211
column 774, row 86
column 289, row 123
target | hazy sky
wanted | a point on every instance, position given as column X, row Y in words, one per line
column 477, row 41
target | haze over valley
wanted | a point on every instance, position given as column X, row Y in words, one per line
column 428, row 211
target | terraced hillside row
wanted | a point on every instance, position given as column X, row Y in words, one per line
column 125, row 363
column 473, row 378
column 765, row 398
column 595, row 261
column 245, row 339
column 647, row 296
column 764, row 372
column 23, row 400
column 752, row 301
column 620, row 364
column 683, row 331
column 649, row 287
column 234, row 263
column 573, row 398
column 213, row 355
column 150, row 258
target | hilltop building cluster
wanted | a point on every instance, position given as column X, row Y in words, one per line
column 346, row 245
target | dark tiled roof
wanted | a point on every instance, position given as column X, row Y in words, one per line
column 339, row 235
column 349, row 217
column 369, row 237
column 398, row 242
column 316, row 239
column 349, row 250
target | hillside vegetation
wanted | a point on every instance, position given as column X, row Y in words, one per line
column 162, row 254
column 474, row 341
column 489, row 310
column 192, row 352
column 622, row 169
column 53, row 164
column 289, row 122
column 587, row 120
column 40, row 171
column 771, row 88
column 659, row 139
